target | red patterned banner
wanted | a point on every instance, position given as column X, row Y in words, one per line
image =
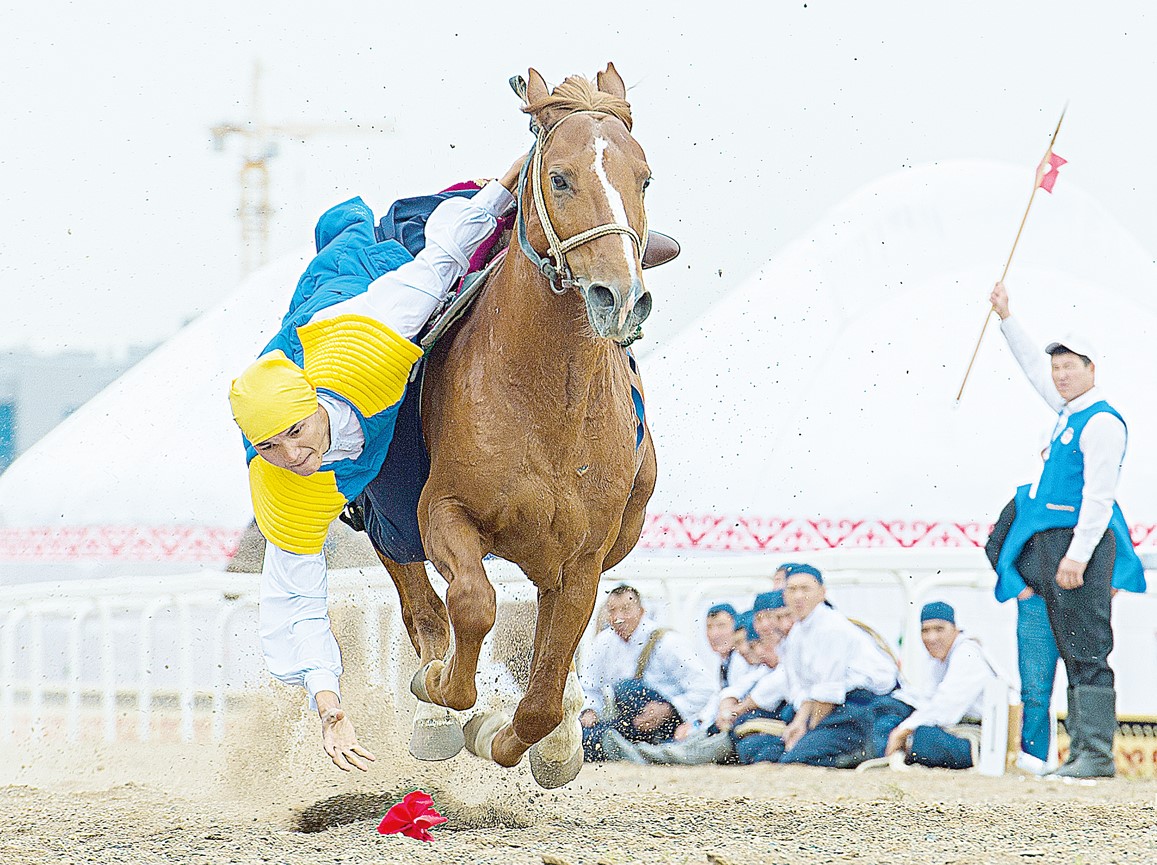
column 700, row 532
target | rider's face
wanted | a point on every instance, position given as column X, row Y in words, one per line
column 301, row 447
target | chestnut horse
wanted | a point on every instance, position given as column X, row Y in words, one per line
column 532, row 432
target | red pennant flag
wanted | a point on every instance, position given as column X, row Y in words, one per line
column 1046, row 177
column 413, row 817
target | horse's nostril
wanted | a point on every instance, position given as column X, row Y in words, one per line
column 601, row 299
column 642, row 307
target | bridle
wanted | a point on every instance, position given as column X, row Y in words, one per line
column 557, row 272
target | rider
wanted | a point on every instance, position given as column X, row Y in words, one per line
column 317, row 410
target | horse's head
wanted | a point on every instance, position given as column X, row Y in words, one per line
column 587, row 213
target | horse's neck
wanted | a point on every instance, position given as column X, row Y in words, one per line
column 545, row 337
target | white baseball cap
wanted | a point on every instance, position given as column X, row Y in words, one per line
column 1075, row 343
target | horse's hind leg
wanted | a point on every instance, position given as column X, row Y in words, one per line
column 546, row 720
column 455, row 548
column 437, row 732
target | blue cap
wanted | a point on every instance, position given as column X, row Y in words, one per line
column 938, row 610
column 787, row 566
column 804, row 569
column 768, row 601
column 722, row 608
column 745, row 622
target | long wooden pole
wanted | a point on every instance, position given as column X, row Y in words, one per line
column 1004, row 273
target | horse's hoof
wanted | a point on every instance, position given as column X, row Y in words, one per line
column 480, row 730
column 418, row 683
column 436, row 737
column 549, row 774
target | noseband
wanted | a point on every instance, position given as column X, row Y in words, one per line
column 558, row 272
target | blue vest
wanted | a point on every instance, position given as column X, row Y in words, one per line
column 348, row 259
column 1058, row 505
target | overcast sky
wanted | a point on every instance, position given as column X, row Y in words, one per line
column 119, row 216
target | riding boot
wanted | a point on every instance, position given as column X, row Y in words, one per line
column 1097, row 721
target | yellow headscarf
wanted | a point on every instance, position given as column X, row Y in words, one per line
column 271, row 395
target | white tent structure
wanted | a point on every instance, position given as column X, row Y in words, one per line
column 814, row 406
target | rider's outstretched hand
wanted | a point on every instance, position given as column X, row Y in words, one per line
column 338, row 736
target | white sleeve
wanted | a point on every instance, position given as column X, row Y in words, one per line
column 962, row 687
column 1103, row 444
column 692, row 685
column 1033, row 362
column 403, row 299
column 771, row 689
column 293, row 621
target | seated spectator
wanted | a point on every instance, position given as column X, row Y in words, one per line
column 841, row 681
column 944, row 731
column 699, row 741
column 779, row 578
column 639, row 679
column 745, row 637
column 756, row 714
column 721, row 625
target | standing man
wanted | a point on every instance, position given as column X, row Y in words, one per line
column 1068, row 541
column 639, row 679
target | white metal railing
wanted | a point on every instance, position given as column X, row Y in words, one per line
column 195, row 643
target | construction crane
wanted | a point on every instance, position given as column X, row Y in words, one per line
column 260, row 144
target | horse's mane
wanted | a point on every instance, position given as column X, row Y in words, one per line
column 578, row 94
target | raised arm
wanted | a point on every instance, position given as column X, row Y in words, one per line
column 1032, row 360
column 403, row 299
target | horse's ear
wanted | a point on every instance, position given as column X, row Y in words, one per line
column 537, row 94
column 609, row 82
column 536, row 89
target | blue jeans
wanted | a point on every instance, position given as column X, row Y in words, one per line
column 760, row 747
column 1037, row 657
column 935, row 747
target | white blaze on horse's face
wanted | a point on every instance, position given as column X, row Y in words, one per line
column 619, row 213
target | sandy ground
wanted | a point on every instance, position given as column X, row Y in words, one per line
column 269, row 795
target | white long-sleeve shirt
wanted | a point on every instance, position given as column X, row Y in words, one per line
column 766, row 686
column 958, row 687
column 1102, row 442
column 827, row 656
column 738, row 673
column 296, row 638
column 673, row 670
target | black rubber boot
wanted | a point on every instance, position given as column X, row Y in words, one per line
column 1097, row 723
column 1072, row 727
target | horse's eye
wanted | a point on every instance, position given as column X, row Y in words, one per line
column 559, row 182
column 646, row 183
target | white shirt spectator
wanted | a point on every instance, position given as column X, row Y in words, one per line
column 827, row 656
column 958, row 687
column 673, row 670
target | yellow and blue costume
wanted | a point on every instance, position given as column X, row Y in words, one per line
column 352, row 357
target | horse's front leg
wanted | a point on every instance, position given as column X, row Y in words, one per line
column 454, row 546
column 437, row 732
column 546, row 720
